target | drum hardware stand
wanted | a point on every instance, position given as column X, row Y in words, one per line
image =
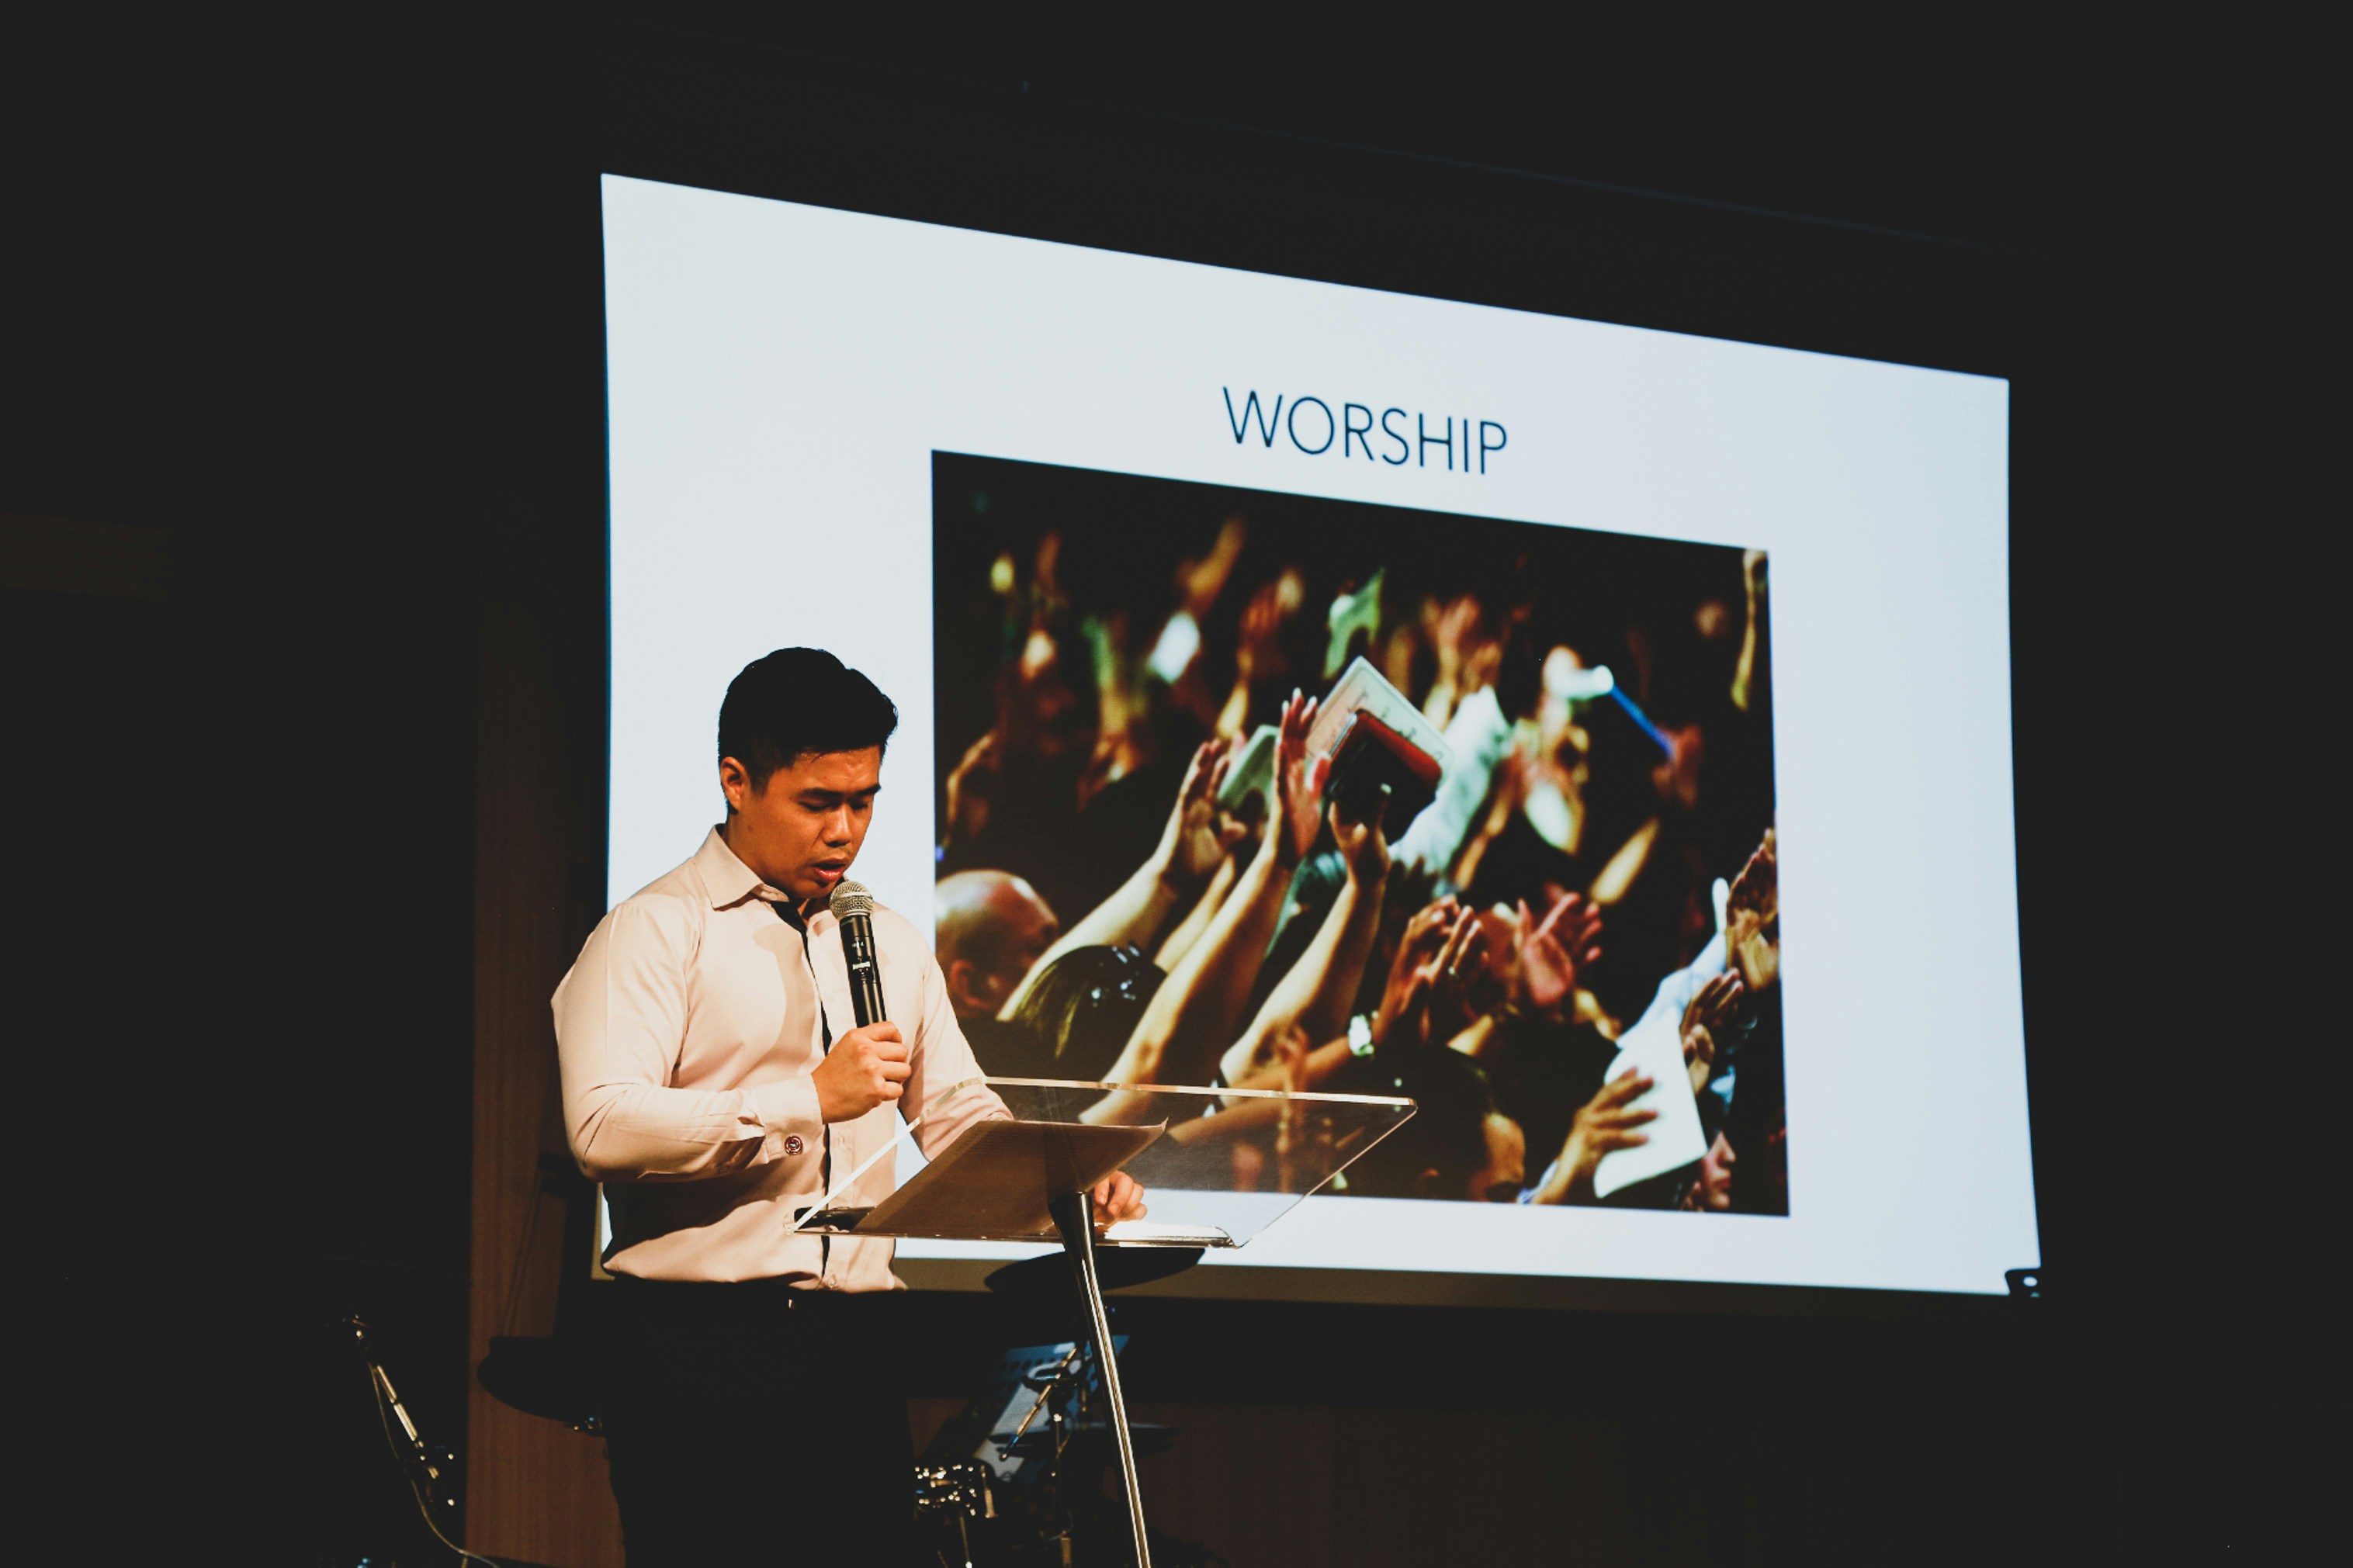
column 425, row 1464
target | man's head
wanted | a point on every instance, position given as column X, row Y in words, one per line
column 1087, row 1004
column 991, row 927
column 800, row 761
column 1506, row 1170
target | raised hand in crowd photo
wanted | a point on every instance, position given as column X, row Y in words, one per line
column 1567, row 866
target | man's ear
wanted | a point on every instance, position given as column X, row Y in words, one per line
column 735, row 782
column 962, row 993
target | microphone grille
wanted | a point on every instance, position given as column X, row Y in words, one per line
column 851, row 898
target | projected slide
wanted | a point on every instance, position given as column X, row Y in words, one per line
column 1303, row 685
column 1100, row 636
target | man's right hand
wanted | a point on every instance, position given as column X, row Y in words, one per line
column 1605, row 1124
column 866, row 1067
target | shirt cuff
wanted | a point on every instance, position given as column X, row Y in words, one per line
column 792, row 1125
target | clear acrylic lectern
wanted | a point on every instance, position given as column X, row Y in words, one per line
column 1217, row 1166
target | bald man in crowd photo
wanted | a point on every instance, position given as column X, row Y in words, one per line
column 990, row 930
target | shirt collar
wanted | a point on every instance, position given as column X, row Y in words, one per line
column 729, row 882
column 727, row 878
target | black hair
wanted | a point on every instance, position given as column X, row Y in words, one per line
column 1446, row 1134
column 796, row 703
column 1086, row 1005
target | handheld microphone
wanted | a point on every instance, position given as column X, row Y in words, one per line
column 853, row 906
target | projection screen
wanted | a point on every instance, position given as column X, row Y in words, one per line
column 1642, row 598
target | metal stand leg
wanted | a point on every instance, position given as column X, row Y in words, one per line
column 1072, row 1216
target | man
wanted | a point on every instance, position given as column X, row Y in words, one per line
column 714, row 1079
column 989, row 929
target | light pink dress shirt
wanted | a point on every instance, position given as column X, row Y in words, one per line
column 688, row 1030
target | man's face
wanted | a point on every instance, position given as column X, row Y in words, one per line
column 991, row 928
column 1716, row 1175
column 1030, row 927
column 801, row 830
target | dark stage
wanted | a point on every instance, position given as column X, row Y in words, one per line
column 302, row 553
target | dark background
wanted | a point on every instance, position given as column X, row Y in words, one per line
column 302, row 328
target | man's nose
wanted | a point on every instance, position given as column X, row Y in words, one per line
column 836, row 827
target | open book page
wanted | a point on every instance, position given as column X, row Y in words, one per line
column 1363, row 688
column 1478, row 737
column 1676, row 1137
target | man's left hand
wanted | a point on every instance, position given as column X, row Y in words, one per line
column 1117, row 1196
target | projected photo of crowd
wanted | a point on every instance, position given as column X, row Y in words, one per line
column 1263, row 791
